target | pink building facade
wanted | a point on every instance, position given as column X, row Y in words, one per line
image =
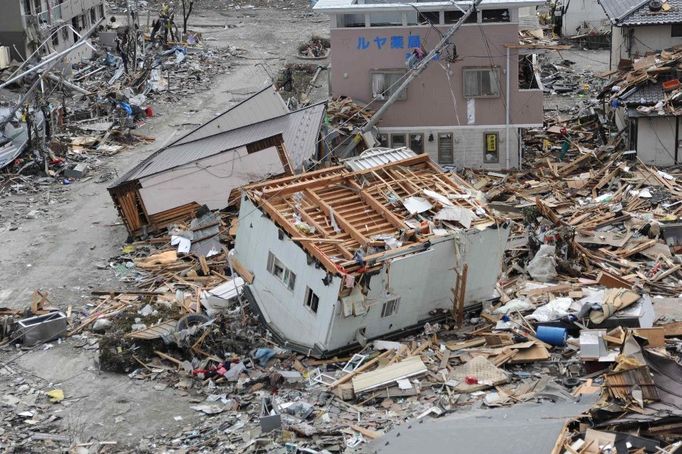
column 470, row 106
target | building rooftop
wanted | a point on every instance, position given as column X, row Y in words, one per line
column 637, row 12
column 390, row 206
column 300, row 130
column 371, row 5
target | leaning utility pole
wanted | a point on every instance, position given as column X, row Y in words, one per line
column 413, row 74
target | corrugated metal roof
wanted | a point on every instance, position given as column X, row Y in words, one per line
column 300, row 130
column 377, row 157
column 644, row 16
column 264, row 105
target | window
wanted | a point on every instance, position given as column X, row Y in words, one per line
column 495, row 15
column 383, row 140
column 451, row 17
column 65, row 34
column 312, row 301
column 351, row 20
column 446, row 148
column 55, row 39
column 398, row 140
column 385, row 19
column 491, row 153
column 281, row 272
column 481, row 82
column 417, row 143
column 385, row 83
column 429, row 17
column 676, row 30
column 101, row 11
column 389, row 308
column 93, row 15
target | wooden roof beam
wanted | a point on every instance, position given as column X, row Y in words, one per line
column 309, row 246
column 340, row 220
column 380, row 208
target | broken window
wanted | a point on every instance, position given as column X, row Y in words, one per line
column 445, row 148
column 417, row 143
column 101, row 11
column 385, row 83
column 351, row 20
column 481, row 82
column 495, row 15
column 383, row 140
column 389, row 308
column 451, row 17
column 65, row 34
column 429, row 17
column 385, row 19
column 93, row 15
column 527, row 80
column 55, row 39
column 398, row 140
column 676, row 30
column 281, row 272
column 312, row 301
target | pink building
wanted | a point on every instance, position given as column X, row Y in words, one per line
column 470, row 106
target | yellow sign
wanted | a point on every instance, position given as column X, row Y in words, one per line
column 491, row 142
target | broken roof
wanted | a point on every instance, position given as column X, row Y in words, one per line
column 637, row 12
column 263, row 105
column 397, row 204
column 300, row 130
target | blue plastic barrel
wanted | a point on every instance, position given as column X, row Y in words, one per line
column 552, row 335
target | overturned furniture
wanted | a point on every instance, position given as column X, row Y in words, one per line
column 369, row 248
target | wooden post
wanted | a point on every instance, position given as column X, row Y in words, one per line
column 458, row 295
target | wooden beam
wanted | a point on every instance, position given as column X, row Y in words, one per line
column 293, row 231
column 380, row 208
column 340, row 220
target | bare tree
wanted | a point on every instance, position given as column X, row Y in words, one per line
column 187, row 6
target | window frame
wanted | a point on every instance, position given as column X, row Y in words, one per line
column 390, row 307
column 281, row 272
column 410, row 140
column 676, row 33
column 451, row 151
column 311, row 300
column 398, row 134
column 472, row 19
column 493, row 20
column 481, row 69
column 393, row 72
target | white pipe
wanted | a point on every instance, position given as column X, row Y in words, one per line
column 506, row 120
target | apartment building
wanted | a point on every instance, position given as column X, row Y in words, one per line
column 24, row 24
column 470, row 106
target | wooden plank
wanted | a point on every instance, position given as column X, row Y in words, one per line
column 406, row 368
column 241, row 270
column 340, row 220
column 362, row 368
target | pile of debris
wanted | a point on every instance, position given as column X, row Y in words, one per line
column 649, row 84
column 317, row 48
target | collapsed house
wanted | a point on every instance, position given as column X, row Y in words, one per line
column 252, row 141
column 646, row 98
column 331, row 255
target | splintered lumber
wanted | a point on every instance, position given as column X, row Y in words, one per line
column 361, row 369
column 406, row 368
column 241, row 270
column 612, row 281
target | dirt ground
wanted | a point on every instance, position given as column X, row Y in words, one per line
column 60, row 239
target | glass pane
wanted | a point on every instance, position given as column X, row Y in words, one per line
column 417, row 143
column 385, row 19
column 398, row 140
column 352, row 20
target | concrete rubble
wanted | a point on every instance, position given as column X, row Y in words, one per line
column 578, row 349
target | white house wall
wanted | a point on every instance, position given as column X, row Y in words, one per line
column 468, row 144
column 656, row 140
column 647, row 38
column 208, row 181
column 424, row 282
column 581, row 12
column 283, row 309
